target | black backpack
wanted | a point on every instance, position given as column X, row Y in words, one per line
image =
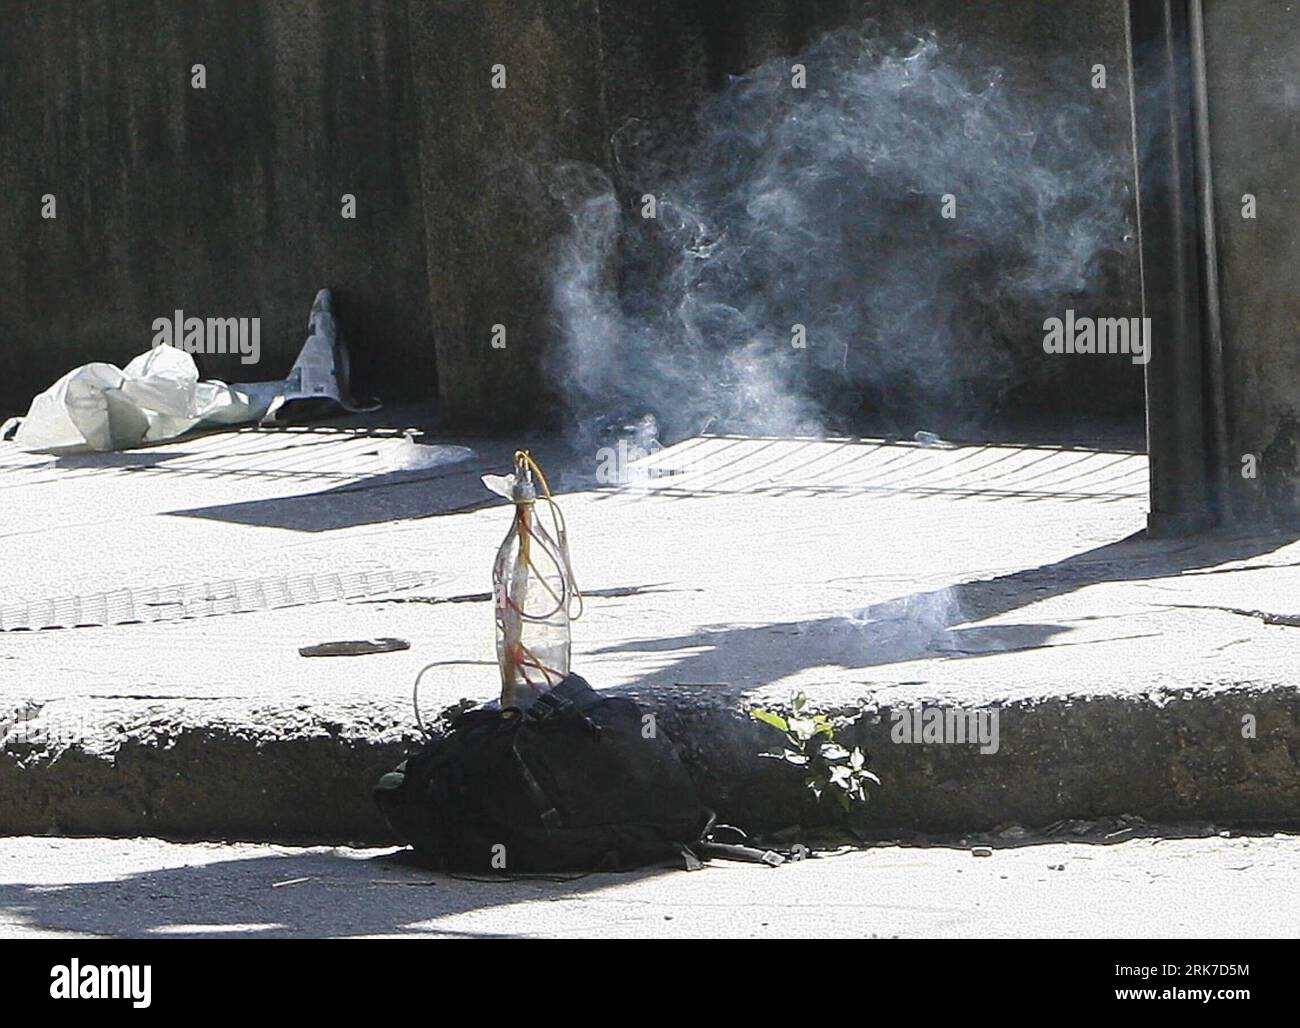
column 578, row 782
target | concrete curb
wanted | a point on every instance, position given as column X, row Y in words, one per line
column 300, row 775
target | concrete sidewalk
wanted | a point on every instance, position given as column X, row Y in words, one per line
column 874, row 576
column 1198, row 886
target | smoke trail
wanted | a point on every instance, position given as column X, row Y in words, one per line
column 821, row 208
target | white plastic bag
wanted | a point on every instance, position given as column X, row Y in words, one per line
column 156, row 397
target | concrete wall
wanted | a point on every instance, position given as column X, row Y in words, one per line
column 222, row 201
column 488, row 218
column 225, row 201
column 1253, row 69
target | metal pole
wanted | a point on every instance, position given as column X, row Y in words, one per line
column 1215, row 365
column 1170, row 230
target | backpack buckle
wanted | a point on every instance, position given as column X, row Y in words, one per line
column 548, row 705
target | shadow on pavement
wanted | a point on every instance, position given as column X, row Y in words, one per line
column 923, row 625
column 394, row 496
column 341, row 896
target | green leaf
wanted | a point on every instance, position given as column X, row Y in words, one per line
column 799, row 702
column 769, row 718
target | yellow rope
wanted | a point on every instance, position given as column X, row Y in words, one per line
column 524, row 460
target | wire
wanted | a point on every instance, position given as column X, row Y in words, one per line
column 415, row 695
column 557, row 551
column 563, row 563
column 533, row 538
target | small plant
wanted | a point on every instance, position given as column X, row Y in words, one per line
column 829, row 768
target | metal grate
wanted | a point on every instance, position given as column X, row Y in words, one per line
column 146, row 605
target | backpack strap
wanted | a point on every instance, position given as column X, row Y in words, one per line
column 711, row 847
column 573, row 692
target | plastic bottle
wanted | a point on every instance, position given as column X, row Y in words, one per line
column 532, row 589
